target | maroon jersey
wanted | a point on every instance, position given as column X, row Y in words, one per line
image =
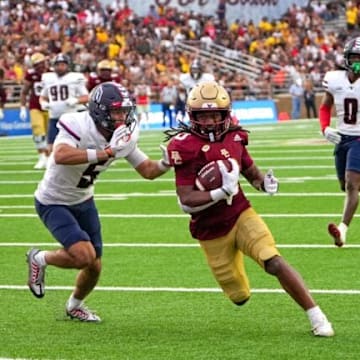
column 188, row 154
column 94, row 79
column 34, row 78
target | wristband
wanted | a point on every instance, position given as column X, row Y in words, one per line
column 91, row 156
column 162, row 166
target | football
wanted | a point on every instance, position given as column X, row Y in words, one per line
column 209, row 177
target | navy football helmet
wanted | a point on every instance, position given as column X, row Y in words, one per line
column 59, row 60
column 109, row 96
column 352, row 47
column 196, row 69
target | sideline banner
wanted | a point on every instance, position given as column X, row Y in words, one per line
column 255, row 111
column 244, row 10
column 247, row 112
column 11, row 125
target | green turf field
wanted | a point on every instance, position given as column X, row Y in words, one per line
column 156, row 295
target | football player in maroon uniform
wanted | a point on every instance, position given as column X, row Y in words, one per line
column 39, row 119
column 104, row 73
column 223, row 220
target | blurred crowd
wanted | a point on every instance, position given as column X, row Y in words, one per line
column 143, row 49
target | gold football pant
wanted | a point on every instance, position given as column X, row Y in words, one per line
column 250, row 236
column 39, row 124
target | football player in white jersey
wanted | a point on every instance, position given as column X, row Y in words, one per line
column 87, row 143
column 63, row 91
column 196, row 75
column 342, row 90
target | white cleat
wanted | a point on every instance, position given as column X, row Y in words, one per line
column 42, row 163
column 323, row 328
column 36, row 278
column 336, row 233
column 82, row 313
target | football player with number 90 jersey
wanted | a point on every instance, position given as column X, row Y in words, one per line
column 63, row 91
column 87, row 143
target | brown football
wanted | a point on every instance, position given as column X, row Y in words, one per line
column 209, row 177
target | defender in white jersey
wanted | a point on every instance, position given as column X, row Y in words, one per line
column 87, row 143
column 342, row 90
column 63, row 91
column 196, row 75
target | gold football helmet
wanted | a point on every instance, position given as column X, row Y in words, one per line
column 104, row 65
column 37, row 58
column 207, row 97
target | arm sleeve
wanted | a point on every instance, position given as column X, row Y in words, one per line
column 324, row 116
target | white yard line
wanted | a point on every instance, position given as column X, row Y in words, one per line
column 181, row 289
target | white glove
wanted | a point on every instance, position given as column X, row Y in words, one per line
column 23, row 114
column 1, row 114
column 230, row 179
column 72, row 101
column 45, row 106
column 271, row 183
column 332, row 135
column 118, row 141
column 164, row 163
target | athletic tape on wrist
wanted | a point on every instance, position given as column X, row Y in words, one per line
column 91, row 156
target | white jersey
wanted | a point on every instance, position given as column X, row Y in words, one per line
column 346, row 100
column 59, row 88
column 73, row 184
column 188, row 82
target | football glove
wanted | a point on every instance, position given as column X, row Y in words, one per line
column 332, row 135
column 117, row 141
column 1, row 114
column 164, row 163
column 271, row 183
column 23, row 113
column 230, row 179
column 45, row 106
column 71, row 101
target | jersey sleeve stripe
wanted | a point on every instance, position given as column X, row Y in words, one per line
column 69, row 130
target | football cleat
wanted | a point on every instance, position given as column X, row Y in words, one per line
column 82, row 313
column 36, row 278
column 334, row 231
column 323, row 328
column 42, row 163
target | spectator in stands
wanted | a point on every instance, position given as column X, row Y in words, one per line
column 3, row 95
column 296, row 91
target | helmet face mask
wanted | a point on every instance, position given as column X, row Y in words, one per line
column 59, row 61
column 352, row 55
column 212, row 100
column 107, row 98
